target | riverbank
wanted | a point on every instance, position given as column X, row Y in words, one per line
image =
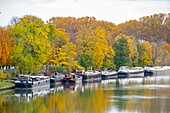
column 6, row 85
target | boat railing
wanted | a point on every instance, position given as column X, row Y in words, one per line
column 123, row 69
column 23, row 77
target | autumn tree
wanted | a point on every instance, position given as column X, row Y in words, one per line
column 32, row 47
column 144, row 51
column 103, row 52
column 64, row 51
column 166, row 57
column 161, row 53
column 143, row 59
column 93, row 49
column 148, row 49
column 5, row 47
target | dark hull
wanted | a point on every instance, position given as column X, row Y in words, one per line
column 123, row 75
column 111, row 76
column 68, row 81
column 156, row 72
column 55, row 81
column 137, row 74
column 148, row 73
column 91, row 78
column 34, row 84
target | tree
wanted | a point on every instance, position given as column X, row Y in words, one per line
column 93, row 48
column 5, row 48
column 64, row 51
column 148, row 49
column 130, row 44
column 32, row 47
column 122, row 51
column 143, row 59
column 14, row 21
column 144, row 51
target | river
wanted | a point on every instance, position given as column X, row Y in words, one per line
column 133, row 95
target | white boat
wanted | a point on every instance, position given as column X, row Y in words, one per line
column 109, row 74
column 90, row 75
column 57, row 78
column 156, row 70
column 134, row 72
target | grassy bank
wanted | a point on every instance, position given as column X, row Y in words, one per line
column 5, row 84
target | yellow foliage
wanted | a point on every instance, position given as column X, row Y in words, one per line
column 148, row 47
column 2, row 75
column 166, row 46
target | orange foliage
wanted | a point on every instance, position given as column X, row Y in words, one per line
column 166, row 46
column 5, row 47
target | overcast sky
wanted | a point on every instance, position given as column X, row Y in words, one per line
column 116, row 11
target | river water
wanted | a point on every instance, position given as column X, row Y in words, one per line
column 133, row 95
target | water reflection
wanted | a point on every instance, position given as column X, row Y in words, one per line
column 150, row 95
column 81, row 99
column 28, row 94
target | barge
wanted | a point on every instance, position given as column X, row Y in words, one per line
column 89, row 75
column 27, row 81
column 156, row 71
column 134, row 72
column 109, row 74
column 71, row 79
column 56, row 79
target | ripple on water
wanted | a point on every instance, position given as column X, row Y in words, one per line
column 112, row 98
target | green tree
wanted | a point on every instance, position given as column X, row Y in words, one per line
column 122, row 51
column 143, row 59
column 31, row 43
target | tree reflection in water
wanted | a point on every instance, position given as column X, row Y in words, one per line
column 84, row 100
column 151, row 96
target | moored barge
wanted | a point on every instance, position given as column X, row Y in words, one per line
column 71, row 79
column 57, row 78
column 134, row 72
column 109, row 74
column 156, row 71
column 27, row 81
column 90, row 75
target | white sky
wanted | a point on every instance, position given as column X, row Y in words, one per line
column 116, row 11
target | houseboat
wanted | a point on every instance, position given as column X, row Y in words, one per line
column 109, row 74
column 27, row 81
column 134, row 72
column 156, row 71
column 56, row 78
column 71, row 79
column 90, row 75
